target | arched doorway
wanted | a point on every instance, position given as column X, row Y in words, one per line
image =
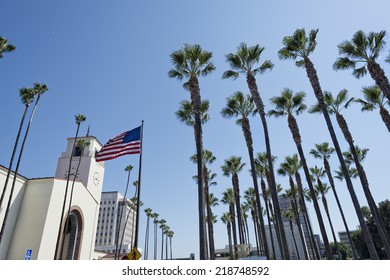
column 72, row 236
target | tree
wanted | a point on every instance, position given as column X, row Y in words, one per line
column 162, row 223
column 323, row 151
column 207, row 158
column 290, row 216
column 375, row 99
column 289, row 168
column 81, row 144
column 360, row 54
column 190, row 62
column 149, row 214
column 228, row 198
column 232, row 167
column 322, row 188
column 245, row 61
column 242, row 107
column 226, row 219
column 27, row 97
column 335, row 105
column 5, row 47
column 342, row 249
column 300, row 46
column 288, row 104
column 155, row 222
column 38, row 90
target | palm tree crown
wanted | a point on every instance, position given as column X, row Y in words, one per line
column 363, row 48
column 191, row 61
column 186, row 114
column 298, row 46
column 238, row 105
column 288, row 103
column 244, row 61
column 5, row 47
column 334, row 104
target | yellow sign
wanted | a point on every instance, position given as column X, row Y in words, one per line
column 134, row 254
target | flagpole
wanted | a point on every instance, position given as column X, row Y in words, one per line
column 139, row 188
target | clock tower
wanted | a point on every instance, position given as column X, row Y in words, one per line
column 89, row 172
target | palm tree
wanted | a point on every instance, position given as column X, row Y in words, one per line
column 245, row 61
column 250, row 201
column 155, row 222
column 226, row 219
column 261, row 164
column 38, row 90
column 81, row 144
column 231, row 168
column 148, row 212
column 170, row 234
column 128, row 169
column 244, row 210
column 27, row 96
column 212, row 201
column 360, row 54
column 191, row 62
column 208, row 158
column 335, row 106
column 375, row 99
column 162, row 223
column 242, row 107
column 289, row 168
column 299, row 45
column 322, row 188
column 228, row 198
column 79, row 118
column 288, row 104
column 290, row 216
column 323, row 151
column 186, row 114
column 5, row 47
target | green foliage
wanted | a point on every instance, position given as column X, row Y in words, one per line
column 357, row 236
column 342, row 248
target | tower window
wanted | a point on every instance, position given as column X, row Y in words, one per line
column 77, row 151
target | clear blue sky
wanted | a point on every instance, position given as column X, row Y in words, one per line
column 109, row 61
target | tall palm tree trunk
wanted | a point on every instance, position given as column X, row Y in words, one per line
column 249, row 144
column 229, row 231
column 209, row 215
column 17, row 169
column 312, row 75
column 234, row 230
column 385, row 116
column 325, row 203
column 276, row 227
column 66, row 193
column 364, row 181
column 278, row 216
column 13, row 154
column 155, row 241
column 378, row 75
column 294, row 239
column 162, row 243
column 236, row 190
column 312, row 241
column 146, row 246
column 332, row 185
column 196, row 102
column 70, row 202
column 292, row 124
column 254, row 218
column 296, row 216
column 265, row 197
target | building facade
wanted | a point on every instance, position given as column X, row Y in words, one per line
column 35, row 215
column 116, row 223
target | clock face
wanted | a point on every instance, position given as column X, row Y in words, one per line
column 96, row 178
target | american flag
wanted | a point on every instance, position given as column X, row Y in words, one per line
column 127, row 143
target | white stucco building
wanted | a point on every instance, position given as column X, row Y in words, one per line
column 34, row 217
